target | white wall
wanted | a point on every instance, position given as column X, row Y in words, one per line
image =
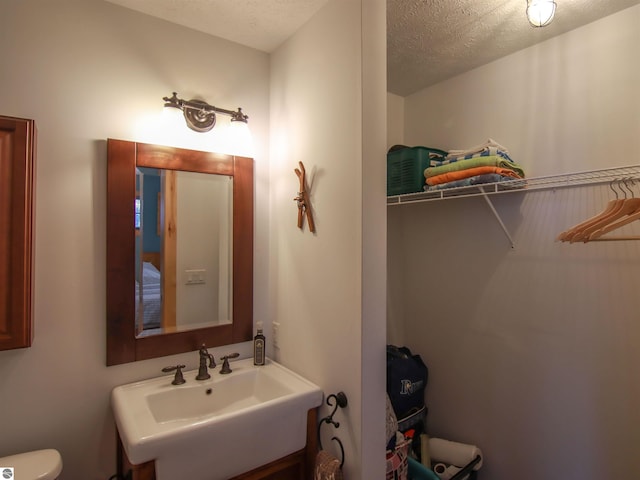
column 395, row 303
column 86, row 70
column 374, row 240
column 533, row 350
column 318, row 101
column 395, row 120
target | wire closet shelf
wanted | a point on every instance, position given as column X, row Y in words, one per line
column 591, row 177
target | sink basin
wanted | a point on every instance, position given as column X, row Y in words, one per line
column 216, row 428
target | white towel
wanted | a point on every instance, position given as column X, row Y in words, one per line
column 477, row 149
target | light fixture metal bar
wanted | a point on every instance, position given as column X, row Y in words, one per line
column 200, row 115
column 203, row 106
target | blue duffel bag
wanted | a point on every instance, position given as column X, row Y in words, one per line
column 407, row 377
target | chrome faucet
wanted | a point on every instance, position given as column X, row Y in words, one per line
column 205, row 356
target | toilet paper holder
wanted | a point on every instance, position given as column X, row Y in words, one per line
column 454, row 460
column 467, row 470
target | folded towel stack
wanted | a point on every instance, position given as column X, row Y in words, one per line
column 486, row 163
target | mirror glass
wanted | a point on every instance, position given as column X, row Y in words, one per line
column 181, row 281
column 179, row 250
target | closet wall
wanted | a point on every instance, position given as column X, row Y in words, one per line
column 532, row 350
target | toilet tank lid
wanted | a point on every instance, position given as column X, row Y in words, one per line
column 37, row 465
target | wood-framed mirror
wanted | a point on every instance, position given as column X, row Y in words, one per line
column 125, row 161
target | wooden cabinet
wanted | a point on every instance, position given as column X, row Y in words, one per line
column 17, row 174
column 296, row 466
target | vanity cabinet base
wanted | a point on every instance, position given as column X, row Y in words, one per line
column 296, row 466
column 291, row 467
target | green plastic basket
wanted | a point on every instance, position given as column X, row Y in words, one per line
column 405, row 169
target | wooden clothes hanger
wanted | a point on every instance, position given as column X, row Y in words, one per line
column 611, row 207
column 631, row 214
column 626, row 207
column 617, row 213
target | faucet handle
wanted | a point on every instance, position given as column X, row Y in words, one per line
column 225, row 364
column 178, row 379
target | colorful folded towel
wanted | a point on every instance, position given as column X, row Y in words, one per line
column 491, row 160
column 470, row 181
column 471, row 172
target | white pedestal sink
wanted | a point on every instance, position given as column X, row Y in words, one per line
column 216, row 428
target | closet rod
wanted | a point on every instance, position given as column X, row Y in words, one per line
column 615, row 239
column 589, row 177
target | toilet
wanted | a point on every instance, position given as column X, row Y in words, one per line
column 36, row 465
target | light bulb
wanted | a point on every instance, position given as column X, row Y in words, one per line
column 172, row 117
column 540, row 12
column 239, row 140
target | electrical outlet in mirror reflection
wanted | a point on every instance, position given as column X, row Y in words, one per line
column 195, row 276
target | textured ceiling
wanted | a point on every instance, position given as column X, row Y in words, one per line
column 259, row 24
column 432, row 40
column 427, row 40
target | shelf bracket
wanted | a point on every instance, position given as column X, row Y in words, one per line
column 495, row 213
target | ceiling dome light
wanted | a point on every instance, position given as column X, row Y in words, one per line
column 540, row 12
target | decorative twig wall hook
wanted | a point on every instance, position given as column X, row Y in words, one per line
column 302, row 199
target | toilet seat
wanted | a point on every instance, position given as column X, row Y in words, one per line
column 36, row 465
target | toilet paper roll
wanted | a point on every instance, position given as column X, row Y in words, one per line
column 454, row 453
column 445, row 472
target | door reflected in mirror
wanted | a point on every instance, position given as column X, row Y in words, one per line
column 184, row 238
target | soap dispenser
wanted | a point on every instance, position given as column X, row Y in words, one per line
column 258, row 346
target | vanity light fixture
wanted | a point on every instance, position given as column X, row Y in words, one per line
column 540, row 12
column 199, row 115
